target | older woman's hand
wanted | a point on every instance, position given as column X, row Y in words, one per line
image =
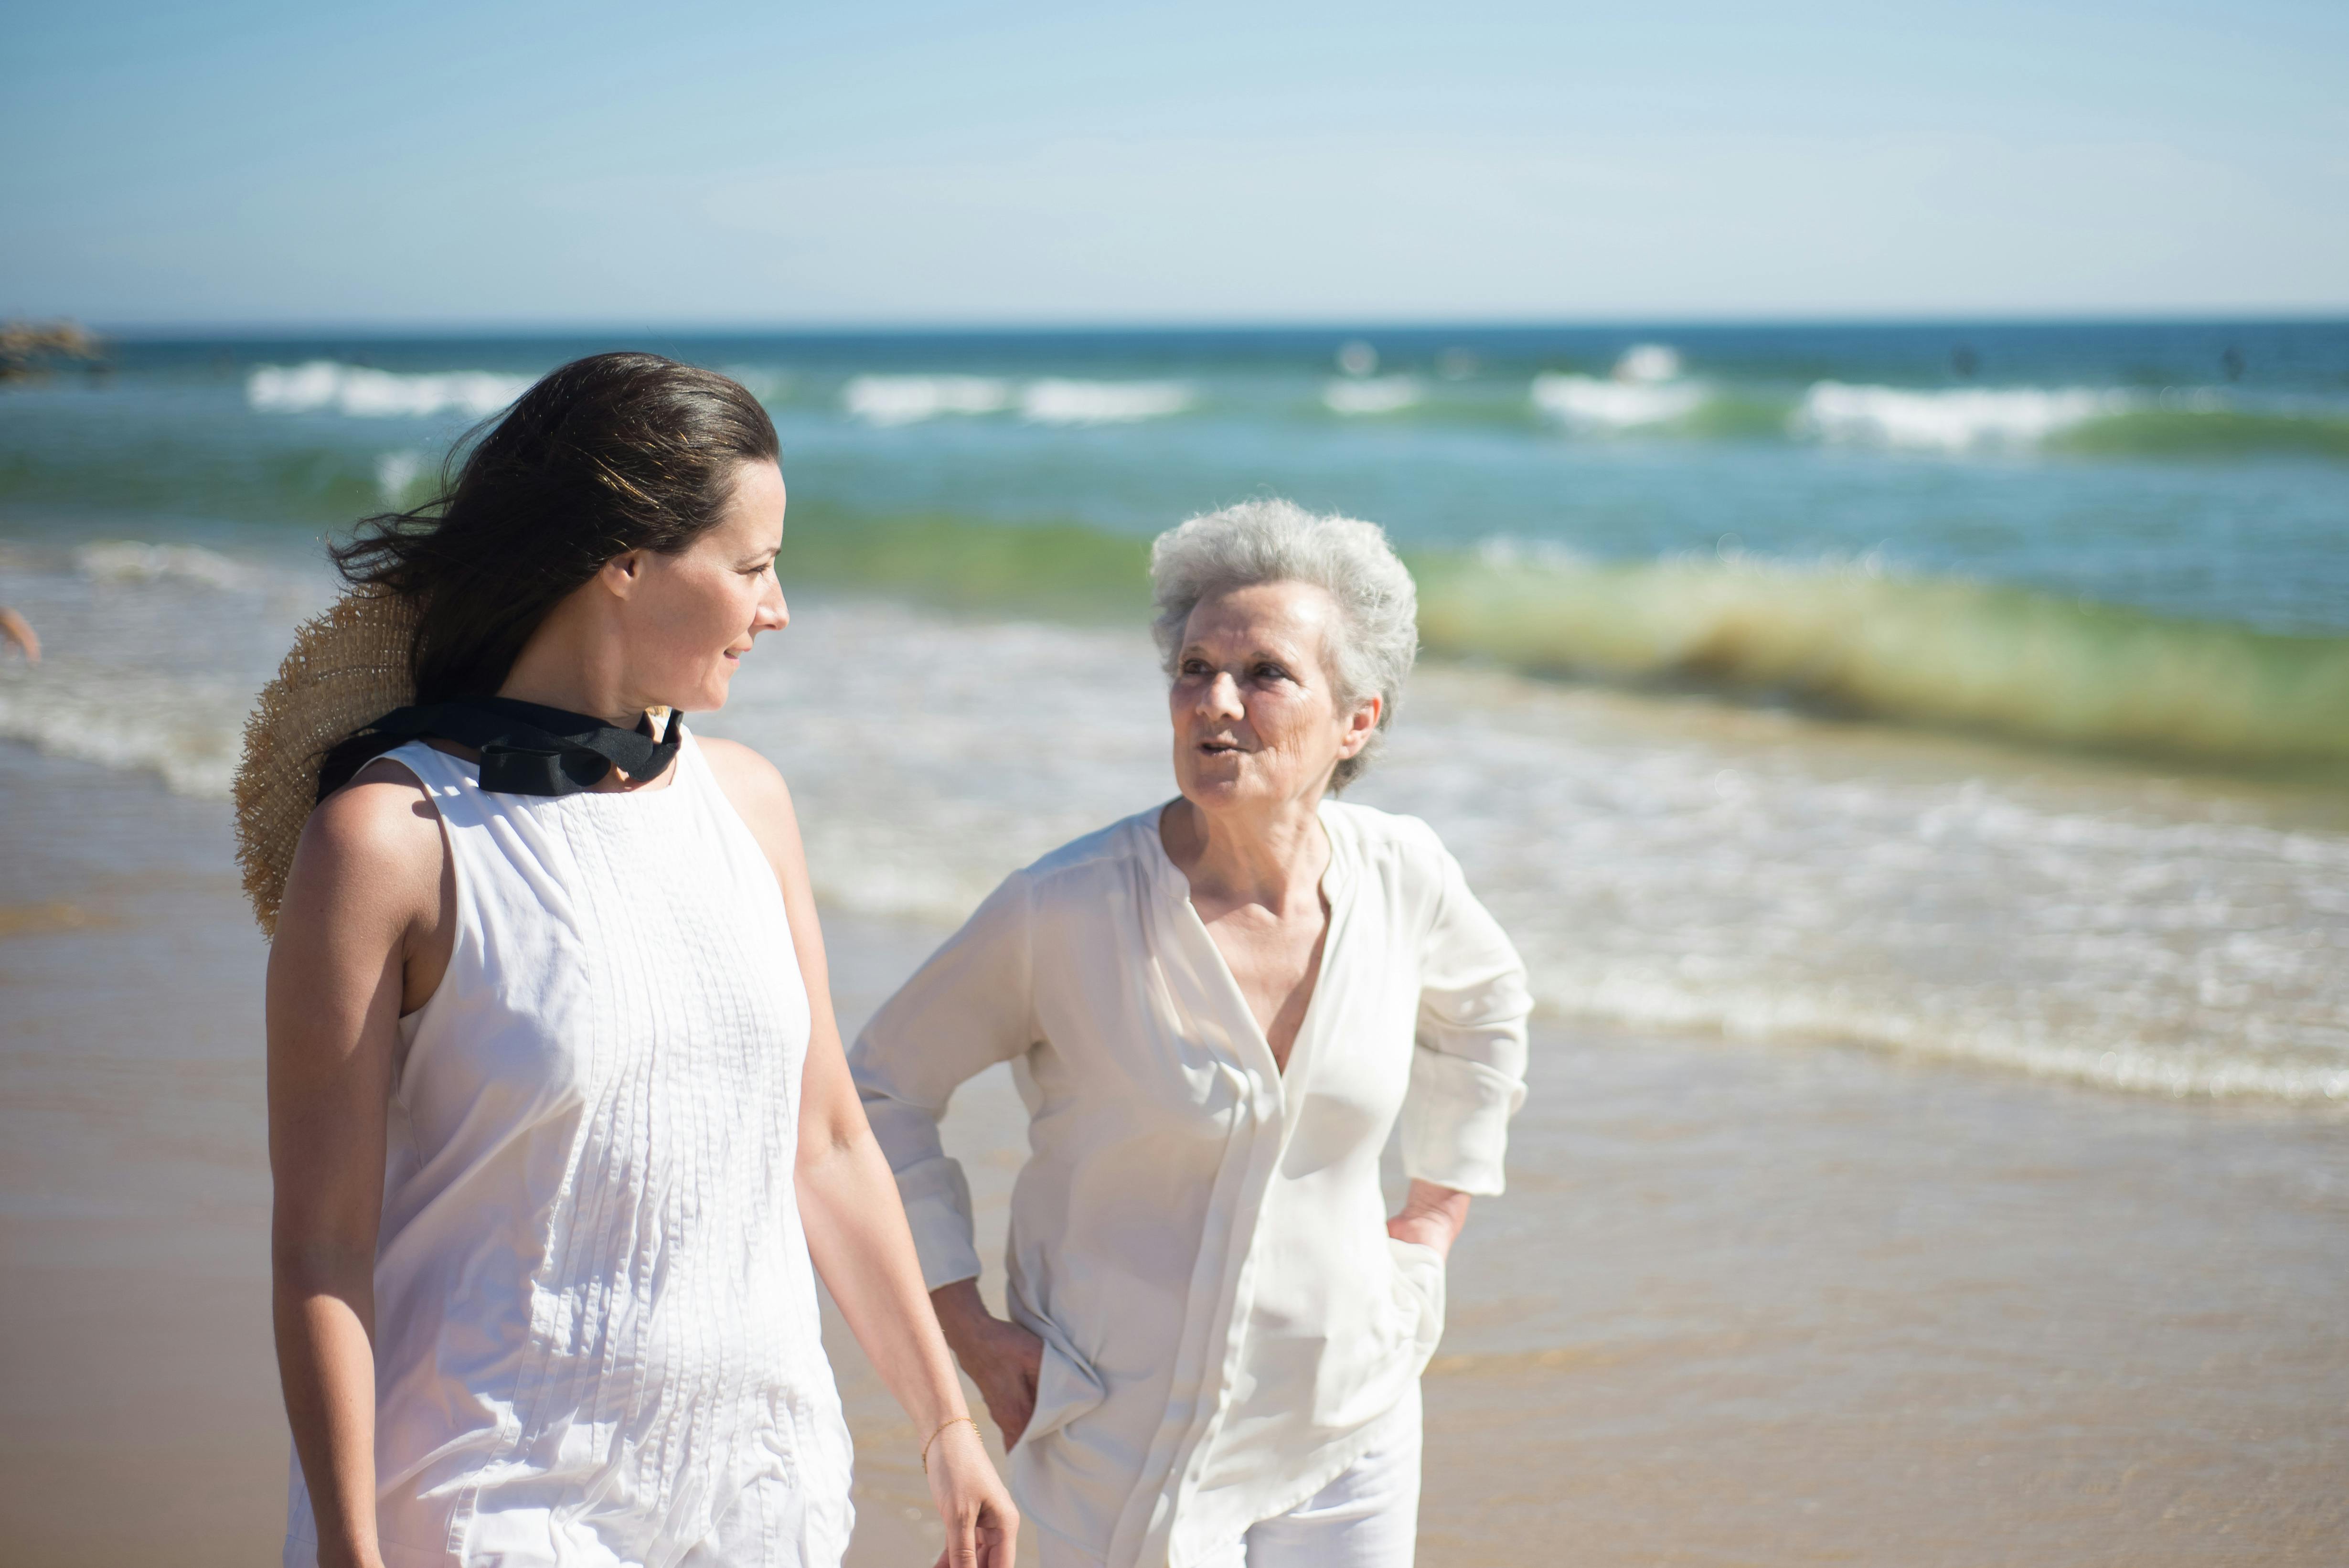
column 1003, row 1358
column 1431, row 1216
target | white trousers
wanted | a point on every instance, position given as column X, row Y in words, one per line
column 1367, row 1518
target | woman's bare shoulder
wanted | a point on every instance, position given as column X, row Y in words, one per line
column 755, row 789
column 376, row 839
column 752, row 783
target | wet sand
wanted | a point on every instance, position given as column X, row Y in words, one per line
column 1742, row 1304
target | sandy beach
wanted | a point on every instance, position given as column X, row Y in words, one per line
column 1875, row 488
column 1743, row 1304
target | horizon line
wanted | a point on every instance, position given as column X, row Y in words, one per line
column 165, row 330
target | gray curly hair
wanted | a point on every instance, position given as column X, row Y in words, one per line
column 1377, row 636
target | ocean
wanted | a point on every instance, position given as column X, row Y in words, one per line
column 1914, row 761
column 1980, row 691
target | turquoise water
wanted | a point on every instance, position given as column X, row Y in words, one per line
column 2118, row 463
column 1974, row 691
column 1668, row 491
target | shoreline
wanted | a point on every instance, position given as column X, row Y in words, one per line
column 1668, row 863
column 1744, row 1302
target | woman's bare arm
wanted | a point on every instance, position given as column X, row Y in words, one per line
column 855, row 1222
column 15, row 629
column 362, row 931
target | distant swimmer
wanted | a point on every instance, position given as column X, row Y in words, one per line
column 19, row 631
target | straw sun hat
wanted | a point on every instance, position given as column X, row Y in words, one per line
column 347, row 668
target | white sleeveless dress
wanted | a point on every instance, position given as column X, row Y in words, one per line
column 597, row 1331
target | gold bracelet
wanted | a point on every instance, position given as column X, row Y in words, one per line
column 949, row 1421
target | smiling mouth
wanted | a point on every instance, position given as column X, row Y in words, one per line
column 1220, row 747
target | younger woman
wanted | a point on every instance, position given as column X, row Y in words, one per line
column 559, row 1114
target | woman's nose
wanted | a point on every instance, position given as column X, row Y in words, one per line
column 773, row 615
column 1222, row 697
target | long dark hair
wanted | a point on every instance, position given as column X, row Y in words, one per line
column 608, row 454
column 611, row 453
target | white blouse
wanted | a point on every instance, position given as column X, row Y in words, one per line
column 1200, row 1240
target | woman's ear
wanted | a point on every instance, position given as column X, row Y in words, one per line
column 623, row 573
column 1361, row 725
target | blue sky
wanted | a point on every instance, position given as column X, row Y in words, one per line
column 422, row 164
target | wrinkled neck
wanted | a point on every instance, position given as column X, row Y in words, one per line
column 1270, row 858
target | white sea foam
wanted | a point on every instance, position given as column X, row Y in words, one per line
column 909, row 399
column 1373, row 394
column 1649, row 363
column 1055, row 401
column 183, row 732
column 1954, row 420
column 1644, row 389
column 365, row 393
column 128, row 561
column 1660, row 863
column 151, row 654
column 1589, row 403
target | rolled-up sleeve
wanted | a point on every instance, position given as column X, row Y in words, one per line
column 965, row 1010
column 1468, row 1073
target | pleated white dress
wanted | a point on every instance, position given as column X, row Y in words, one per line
column 597, row 1331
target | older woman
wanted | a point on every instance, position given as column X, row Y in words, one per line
column 1216, row 1011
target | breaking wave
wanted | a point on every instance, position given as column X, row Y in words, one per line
column 1845, row 635
column 1945, row 652
column 1589, row 403
column 1064, row 402
column 1645, row 390
column 1053, row 400
column 356, row 391
column 128, row 561
column 1954, row 420
column 1372, row 395
column 909, row 399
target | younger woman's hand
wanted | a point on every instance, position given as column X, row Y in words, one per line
column 982, row 1526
